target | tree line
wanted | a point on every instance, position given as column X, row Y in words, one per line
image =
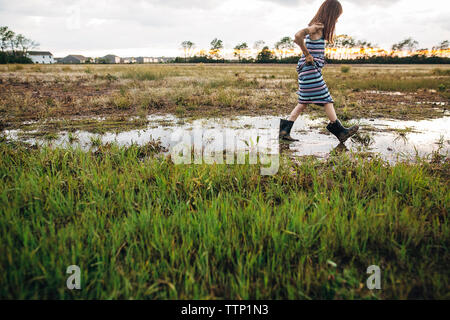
column 14, row 47
column 283, row 52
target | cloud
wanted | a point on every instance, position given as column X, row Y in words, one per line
column 109, row 25
column 186, row 4
column 374, row 3
column 289, row 3
column 293, row 3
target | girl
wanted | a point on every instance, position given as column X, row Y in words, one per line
column 313, row 88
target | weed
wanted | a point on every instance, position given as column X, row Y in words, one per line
column 345, row 69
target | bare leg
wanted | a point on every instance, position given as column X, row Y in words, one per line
column 329, row 110
column 297, row 111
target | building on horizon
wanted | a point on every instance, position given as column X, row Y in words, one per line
column 144, row 60
column 110, row 58
column 74, row 59
column 128, row 60
column 41, row 57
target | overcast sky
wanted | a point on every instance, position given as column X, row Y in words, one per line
column 157, row 27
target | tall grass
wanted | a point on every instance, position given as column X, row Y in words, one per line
column 440, row 72
column 142, row 227
column 147, row 73
column 398, row 84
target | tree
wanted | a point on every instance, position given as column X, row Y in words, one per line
column 259, row 45
column 444, row 45
column 3, row 42
column 346, row 41
column 265, row 56
column 216, row 46
column 12, row 41
column 410, row 44
column 285, row 45
column 187, row 46
column 343, row 41
column 240, row 50
column 18, row 44
column 24, row 44
column 6, row 38
column 364, row 44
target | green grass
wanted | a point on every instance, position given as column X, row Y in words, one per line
column 345, row 69
column 440, row 72
column 390, row 83
column 142, row 227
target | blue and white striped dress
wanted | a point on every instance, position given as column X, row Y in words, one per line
column 312, row 87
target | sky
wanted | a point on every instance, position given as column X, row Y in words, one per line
column 157, row 27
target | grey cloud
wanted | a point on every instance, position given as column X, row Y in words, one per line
column 290, row 3
column 187, row 4
column 107, row 24
column 374, row 3
column 293, row 3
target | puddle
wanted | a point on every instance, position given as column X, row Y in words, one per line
column 393, row 140
column 387, row 93
column 434, row 103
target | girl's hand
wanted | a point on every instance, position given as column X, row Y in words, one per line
column 309, row 60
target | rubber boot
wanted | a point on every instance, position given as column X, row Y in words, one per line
column 285, row 130
column 341, row 132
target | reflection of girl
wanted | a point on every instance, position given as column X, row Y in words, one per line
column 313, row 89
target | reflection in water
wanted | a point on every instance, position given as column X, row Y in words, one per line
column 391, row 139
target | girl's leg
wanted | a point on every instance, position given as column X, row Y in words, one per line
column 297, row 111
column 331, row 113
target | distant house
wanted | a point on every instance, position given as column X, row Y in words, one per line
column 144, row 60
column 73, row 59
column 42, row 57
column 110, row 58
column 128, row 60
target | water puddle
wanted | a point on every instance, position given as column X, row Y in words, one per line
column 387, row 93
column 393, row 140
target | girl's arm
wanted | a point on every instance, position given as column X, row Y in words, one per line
column 300, row 39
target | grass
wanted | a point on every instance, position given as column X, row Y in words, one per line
column 441, row 72
column 384, row 83
column 146, row 73
column 141, row 227
column 345, row 69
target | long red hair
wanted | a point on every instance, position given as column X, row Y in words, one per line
column 328, row 14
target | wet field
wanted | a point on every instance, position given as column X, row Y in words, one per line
column 403, row 111
column 392, row 140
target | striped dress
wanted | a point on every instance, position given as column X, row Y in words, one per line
column 312, row 87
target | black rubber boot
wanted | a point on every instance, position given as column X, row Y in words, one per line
column 285, row 130
column 341, row 132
